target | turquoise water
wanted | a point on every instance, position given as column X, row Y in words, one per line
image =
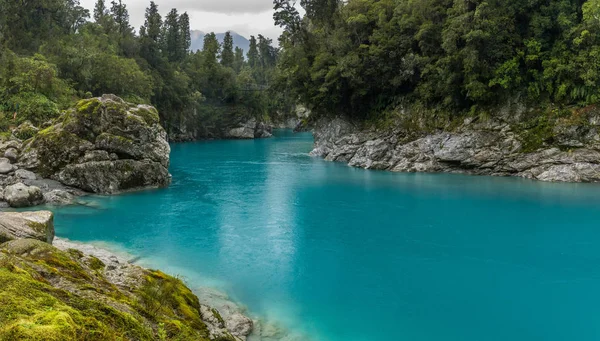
column 346, row 254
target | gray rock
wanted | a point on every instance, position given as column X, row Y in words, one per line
column 21, row 195
column 33, row 225
column 245, row 131
column 25, row 174
column 263, row 130
column 114, row 176
column 58, row 197
column 5, row 166
column 485, row 148
column 12, row 154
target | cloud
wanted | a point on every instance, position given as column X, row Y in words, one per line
column 246, row 17
column 222, row 6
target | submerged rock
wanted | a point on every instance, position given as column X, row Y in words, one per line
column 33, row 225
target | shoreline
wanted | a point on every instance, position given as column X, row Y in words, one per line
column 237, row 319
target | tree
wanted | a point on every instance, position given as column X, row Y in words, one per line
column 238, row 59
column 227, row 56
column 210, row 51
column 253, row 53
column 100, row 11
column 150, row 35
column 172, row 38
column 184, row 35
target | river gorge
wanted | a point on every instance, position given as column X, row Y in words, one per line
column 330, row 252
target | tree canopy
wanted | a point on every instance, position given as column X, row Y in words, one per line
column 54, row 52
column 363, row 57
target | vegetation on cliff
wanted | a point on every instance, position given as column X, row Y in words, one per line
column 364, row 58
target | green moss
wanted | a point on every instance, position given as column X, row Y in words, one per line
column 218, row 316
column 38, row 227
column 95, row 264
column 147, row 113
column 57, row 148
column 88, row 106
column 83, row 305
column 165, row 297
column 33, row 310
column 5, row 135
column 75, row 253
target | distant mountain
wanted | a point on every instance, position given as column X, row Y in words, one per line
column 238, row 40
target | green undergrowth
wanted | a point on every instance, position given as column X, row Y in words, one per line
column 48, row 294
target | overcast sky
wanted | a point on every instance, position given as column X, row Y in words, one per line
column 246, row 17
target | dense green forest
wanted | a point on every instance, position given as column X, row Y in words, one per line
column 53, row 52
column 365, row 58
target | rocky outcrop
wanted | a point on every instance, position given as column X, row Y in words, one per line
column 103, row 145
column 249, row 130
column 32, row 225
column 296, row 119
column 565, row 148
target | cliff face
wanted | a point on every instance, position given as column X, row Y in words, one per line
column 561, row 146
column 78, row 292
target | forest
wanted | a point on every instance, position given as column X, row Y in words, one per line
column 367, row 58
column 54, row 52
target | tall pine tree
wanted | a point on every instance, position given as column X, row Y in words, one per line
column 227, row 56
column 172, row 40
column 253, row 53
column 185, row 39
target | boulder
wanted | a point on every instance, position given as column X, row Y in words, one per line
column 5, row 166
column 33, row 225
column 497, row 146
column 12, row 154
column 124, row 141
column 21, row 195
column 25, row 174
column 58, row 197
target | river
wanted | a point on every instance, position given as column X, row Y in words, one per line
column 336, row 253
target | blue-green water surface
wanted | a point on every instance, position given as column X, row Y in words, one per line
column 339, row 253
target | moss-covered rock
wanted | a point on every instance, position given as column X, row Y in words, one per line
column 25, row 130
column 49, row 294
column 127, row 136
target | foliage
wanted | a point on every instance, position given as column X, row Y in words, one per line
column 363, row 57
column 51, row 54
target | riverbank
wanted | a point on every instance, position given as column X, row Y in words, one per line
column 120, row 269
column 232, row 317
column 555, row 145
column 56, row 289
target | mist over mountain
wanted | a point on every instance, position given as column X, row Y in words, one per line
column 238, row 40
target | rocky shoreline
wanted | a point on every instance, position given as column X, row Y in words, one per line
column 517, row 143
column 30, row 250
